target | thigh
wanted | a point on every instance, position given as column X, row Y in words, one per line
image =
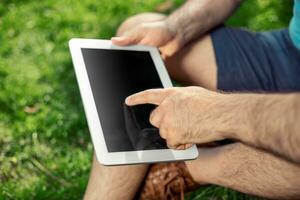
column 256, row 61
column 195, row 64
column 232, row 59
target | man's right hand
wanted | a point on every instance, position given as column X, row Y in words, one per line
column 159, row 34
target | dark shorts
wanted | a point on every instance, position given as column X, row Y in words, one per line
column 249, row 61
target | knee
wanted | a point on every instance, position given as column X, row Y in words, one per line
column 135, row 20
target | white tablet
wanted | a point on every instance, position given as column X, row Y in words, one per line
column 106, row 75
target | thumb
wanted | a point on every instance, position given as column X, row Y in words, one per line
column 170, row 49
column 121, row 41
column 126, row 39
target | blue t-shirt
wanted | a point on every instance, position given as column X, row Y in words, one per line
column 294, row 28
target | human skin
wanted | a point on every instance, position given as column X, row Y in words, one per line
column 248, row 170
column 237, row 166
column 187, row 115
column 190, row 21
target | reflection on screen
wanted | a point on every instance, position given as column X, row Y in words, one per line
column 114, row 75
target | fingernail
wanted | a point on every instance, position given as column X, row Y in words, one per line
column 117, row 38
column 127, row 100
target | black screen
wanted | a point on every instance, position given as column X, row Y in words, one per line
column 114, row 75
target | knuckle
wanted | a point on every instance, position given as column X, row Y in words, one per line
column 170, row 91
column 164, row 121
column 172, row 144
column 151, row 120
column 164, row 104
column 173, row 89
column 152, row 114
column 154, row 120
column 143, row 25
column 172, row 140
column 169, row 101
column 192, row 87
column 131, row 34
column 163, row 132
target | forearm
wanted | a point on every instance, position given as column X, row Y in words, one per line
column 196, row 17
column 268, row 121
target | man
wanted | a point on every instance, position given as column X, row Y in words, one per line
column 262, row 114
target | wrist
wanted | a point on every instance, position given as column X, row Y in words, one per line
column 173, row 26
column 237, row 112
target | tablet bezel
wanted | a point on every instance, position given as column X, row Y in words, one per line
column 102, row 154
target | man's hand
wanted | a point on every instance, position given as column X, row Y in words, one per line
column 189, row 22
column 158, row 34
column 189, row 115
column 184, row 115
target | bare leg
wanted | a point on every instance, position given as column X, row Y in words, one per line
column 116, row 182
column 123, row 182
column 247, row 170
column 236, row 166
column 195, row 64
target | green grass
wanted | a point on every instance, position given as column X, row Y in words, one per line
column 45, row 147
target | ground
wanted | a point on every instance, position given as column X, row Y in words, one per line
column 45, row 147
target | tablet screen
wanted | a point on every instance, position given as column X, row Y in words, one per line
column 114, row 75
